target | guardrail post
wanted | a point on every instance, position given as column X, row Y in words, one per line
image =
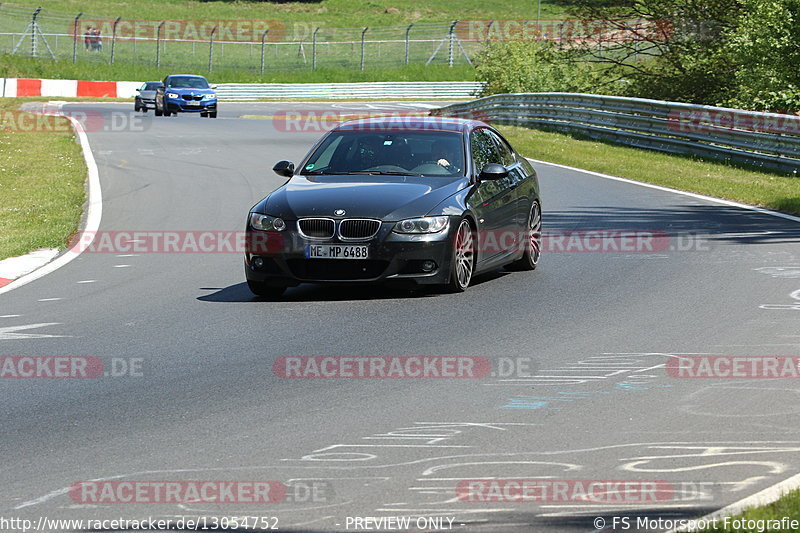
column 408, row 30
column 314, row 49
column 451, row 43
column 158, row 43
column 75, row 38
column 211, row 50
column 263, row 38
column 362, row 46
column 114, row 38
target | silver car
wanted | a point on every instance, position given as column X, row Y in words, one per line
column 146, row 96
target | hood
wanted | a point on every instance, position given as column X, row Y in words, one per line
column 389, row 198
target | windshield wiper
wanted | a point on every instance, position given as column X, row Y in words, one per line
column 361, row 172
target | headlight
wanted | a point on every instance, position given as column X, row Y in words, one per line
column 422, row 225
column 266, row 222
column 209, row 96
column 172, row 95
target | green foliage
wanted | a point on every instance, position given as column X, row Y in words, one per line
column 765, row 47
column 535, row 66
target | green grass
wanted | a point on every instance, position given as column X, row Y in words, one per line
column 787, row 506
column 20, row 67
column 771, row 190
column 41, row 186
column 329, row 13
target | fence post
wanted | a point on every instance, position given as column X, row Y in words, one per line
column 34, row 35
column 114, row 38
column 408, row 30
column 362, row 46
column 75, row 39
column 158, row 43
column 314, row 49
column 211, row 50
column 263, row 38
column 451, row 38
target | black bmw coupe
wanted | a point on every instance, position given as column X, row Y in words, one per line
column 422, row 200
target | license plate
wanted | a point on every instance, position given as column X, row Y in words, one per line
column 336, row 251
column 192, row 102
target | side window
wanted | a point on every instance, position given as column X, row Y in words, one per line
column 507, row 158
column 484, row 149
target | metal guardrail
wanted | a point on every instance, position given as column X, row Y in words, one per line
column 455, row 90
column 769, row 140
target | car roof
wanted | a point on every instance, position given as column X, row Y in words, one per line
column 186, row 76
column 405, row 122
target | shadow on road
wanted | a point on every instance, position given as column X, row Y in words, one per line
column 308, row 292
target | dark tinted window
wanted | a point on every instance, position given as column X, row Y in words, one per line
column 188, row 82
column 151, row 86
column 506, row 154
column 484, row 149
column 427, row 153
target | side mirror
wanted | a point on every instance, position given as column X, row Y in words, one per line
column 493, row 171
column 214, row 87
column 284, row 168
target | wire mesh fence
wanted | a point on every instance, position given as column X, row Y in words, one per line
column 260, row 45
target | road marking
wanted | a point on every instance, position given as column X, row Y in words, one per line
column 730, row 203
column 128, row 255
column 10, row 332
column 9, row 316
column 765, row 497
column 49, row 299
column 88, row 281
column 121, row 266
column 94, row 213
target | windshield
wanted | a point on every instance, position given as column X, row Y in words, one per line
column 151, row 86
column 420, row 153
column 188, row 82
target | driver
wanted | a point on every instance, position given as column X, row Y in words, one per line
column 448, row 155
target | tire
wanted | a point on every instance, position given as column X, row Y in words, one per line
column 462, row 263
column 533, row 245
column 136, row 106
column 213, row 114
column 204, row 115
column 157, row 111
column 166, row 111
column 265, row 291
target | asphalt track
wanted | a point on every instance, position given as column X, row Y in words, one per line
column 598, row 328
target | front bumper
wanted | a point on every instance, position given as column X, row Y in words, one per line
column 393, row 257
column 190, row 106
